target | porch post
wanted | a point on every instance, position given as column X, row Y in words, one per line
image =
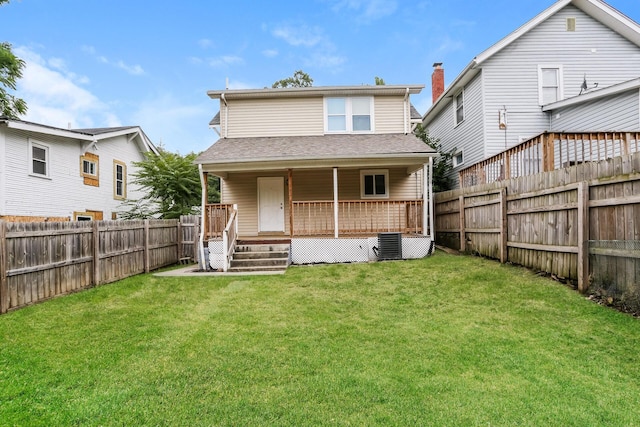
column 205, row 220
column 425, row 198
column 290, row 181
column 432, row 232
column 335, row 202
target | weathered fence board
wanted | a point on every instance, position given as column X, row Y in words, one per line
column 43, row 259
column 554, row 222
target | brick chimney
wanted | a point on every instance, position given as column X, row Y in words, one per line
column 437, row 81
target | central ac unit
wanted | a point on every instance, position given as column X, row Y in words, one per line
column 389, row 246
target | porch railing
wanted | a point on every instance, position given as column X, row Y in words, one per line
column 357, row 217
column 550, row 151
column 215, row 219
column 229, row 236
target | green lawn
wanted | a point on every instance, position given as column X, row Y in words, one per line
column 445, row 340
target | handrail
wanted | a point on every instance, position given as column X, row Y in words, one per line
column 229, row 238
column 550, row 151
column 357, row 217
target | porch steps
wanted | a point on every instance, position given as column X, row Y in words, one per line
column 260, row 256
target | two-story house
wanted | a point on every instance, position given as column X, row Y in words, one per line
column 574, row 67
column 324, row 169
column 54, row 174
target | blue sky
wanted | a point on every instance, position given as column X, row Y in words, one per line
column 97, row 63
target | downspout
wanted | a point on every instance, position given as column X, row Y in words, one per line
column 203, row 202
column 406, row 107
column 226, row 115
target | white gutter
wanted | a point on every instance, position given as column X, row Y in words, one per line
column 203, row 202
column 406, row 107
column 226, row 116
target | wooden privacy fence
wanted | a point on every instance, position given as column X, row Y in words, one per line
column 41, row 260
column 555, row 222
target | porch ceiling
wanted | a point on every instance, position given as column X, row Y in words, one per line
column 273, row 153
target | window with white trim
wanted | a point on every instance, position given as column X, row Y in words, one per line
column 374, row 184
column 458, row 159
column 458, row 104
column 119, row 180
column 549, row 84
column 349, row 114
column 39, row 159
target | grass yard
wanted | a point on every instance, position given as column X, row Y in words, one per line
column 447, row 340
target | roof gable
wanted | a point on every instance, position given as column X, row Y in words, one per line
column 597, row 9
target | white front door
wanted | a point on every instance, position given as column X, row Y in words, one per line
column 271, row 204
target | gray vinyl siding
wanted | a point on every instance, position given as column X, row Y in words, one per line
column 615, row 113
column 466, row 136
column 511, row 75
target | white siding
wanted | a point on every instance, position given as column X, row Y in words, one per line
column 468, row 135
column 64, row 192
column 511, row 76
column 615, row 113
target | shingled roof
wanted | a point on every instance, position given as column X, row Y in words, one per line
column 261, row 149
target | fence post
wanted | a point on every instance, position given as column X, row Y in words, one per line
column 180, row 240
column 96, row 252
column 503, row 225
column 583, row 236
column 463, row 235
column 4, row 286
column 146, row 246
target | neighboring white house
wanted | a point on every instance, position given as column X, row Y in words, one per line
column 54, row 174
column 574, row 67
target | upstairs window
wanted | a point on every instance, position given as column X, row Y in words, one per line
column 459, row 107
column 374, row 184
column 549, row 84
column 39, row 156
column 119, row 180
column 458, row 159
column 349, row 115
column 89, row 169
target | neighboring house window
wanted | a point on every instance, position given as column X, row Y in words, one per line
column 374, row 184
column 349, row 114
column 459, row 107
column 119, row 180
column 39, row 156
column 458, row 159
column 82, row 216
column 89, row 169
column 549, row 84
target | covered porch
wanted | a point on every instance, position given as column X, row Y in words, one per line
column 330, row 208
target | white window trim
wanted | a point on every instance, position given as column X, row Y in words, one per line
column 348, row 115
column 47, row 161
column 95, row 168
column 560, row 79
column 455, row 161
column 455, row 108
column 366, row 172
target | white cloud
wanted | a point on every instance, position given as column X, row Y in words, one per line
column 53, row 98
column 225, row 60
column 134, row 70
column 366, row 11
column 205, row 43
column 270, row 53
column 301, row 35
